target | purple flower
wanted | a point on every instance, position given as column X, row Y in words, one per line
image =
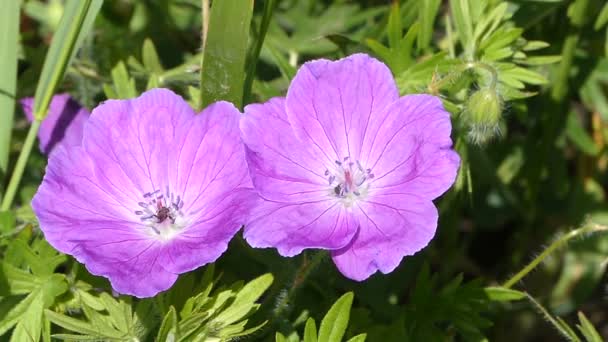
column 152, row 191
column 345, row 164
column 63, row 124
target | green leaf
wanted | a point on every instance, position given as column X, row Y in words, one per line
column 9, row 41
column 602, row 19
column 169, row 329
column 79, row 326
column 501, row 294
column 223, row 65
column 29, row 326
column 123, row 84
column 278, row 337
column 335, row 321
column 287, row 70
column 269, row 6
column 310, row 331
column 462, row 21
column 579, row 136
column 15, row 313
column 358, row 338
column 150, row 57
column 535, row 45
column 394, row 28
column 540, row 60
column 120, row 312
column 7, row 218
column 426, row 17
column 587, row 329
column 77, row 19
column 245, row 299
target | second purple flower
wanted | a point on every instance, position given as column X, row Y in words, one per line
column 343, row 163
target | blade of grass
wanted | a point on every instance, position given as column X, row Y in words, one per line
column 76, row 20
column 9, row 40
column 255, row 52
column 223, row 64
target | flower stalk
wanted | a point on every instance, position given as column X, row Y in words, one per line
column 13, row 184
column 589, row 229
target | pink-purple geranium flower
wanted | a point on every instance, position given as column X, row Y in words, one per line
column 151, row 191
column 64, row 122
column 343, row 163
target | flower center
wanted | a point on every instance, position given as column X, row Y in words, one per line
column 162, row 213
column 349, row 180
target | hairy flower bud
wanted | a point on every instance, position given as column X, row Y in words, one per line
column 483, row 113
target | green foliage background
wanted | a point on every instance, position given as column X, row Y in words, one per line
column 526, row 82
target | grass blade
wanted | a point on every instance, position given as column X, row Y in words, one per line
column 9, row 41
column 223, row 65
column 255, row 52
column 76, row 20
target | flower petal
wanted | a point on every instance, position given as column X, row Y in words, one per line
column 203, row 241
column 331, row 104
column 410, row 147
column 293, row 227
column 131, row 140
column 63, row 124
column 207, row 160
column 391, row 226
column 282, row 167
column 130, row 260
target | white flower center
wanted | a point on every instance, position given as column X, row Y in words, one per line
column 162, row 214
column 348, row 181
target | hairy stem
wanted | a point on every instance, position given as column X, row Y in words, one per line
column 300, row 276
column 589, row 229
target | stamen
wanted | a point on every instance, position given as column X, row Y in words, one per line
column 351, row 178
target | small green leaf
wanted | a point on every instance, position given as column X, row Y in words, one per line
column 124, row 85
column 150, row 57
column 287, row 70
column 76, row 325
column 462, row 20
column 93, row 302
column 358, row 338
column 426, row 17
column 16, row 312
column 394, row 28
column 310, row 331
column 120, row 312
column 7, row 220
column 579, row 136
column 587, row 329
column 245, row 299
column 535, row 45
column 335, row 321
column 169, row 330
column 278, row 337
column 29, row 326
column 540, row 60
column 223, row 64
column 501, row 294
column 602, row 19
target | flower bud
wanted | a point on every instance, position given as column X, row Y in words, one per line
column 483, row 112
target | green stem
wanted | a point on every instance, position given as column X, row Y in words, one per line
column 590, row 229
column 299, row 278
column 255, row 54
column 488, row 68
column 7, row 201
